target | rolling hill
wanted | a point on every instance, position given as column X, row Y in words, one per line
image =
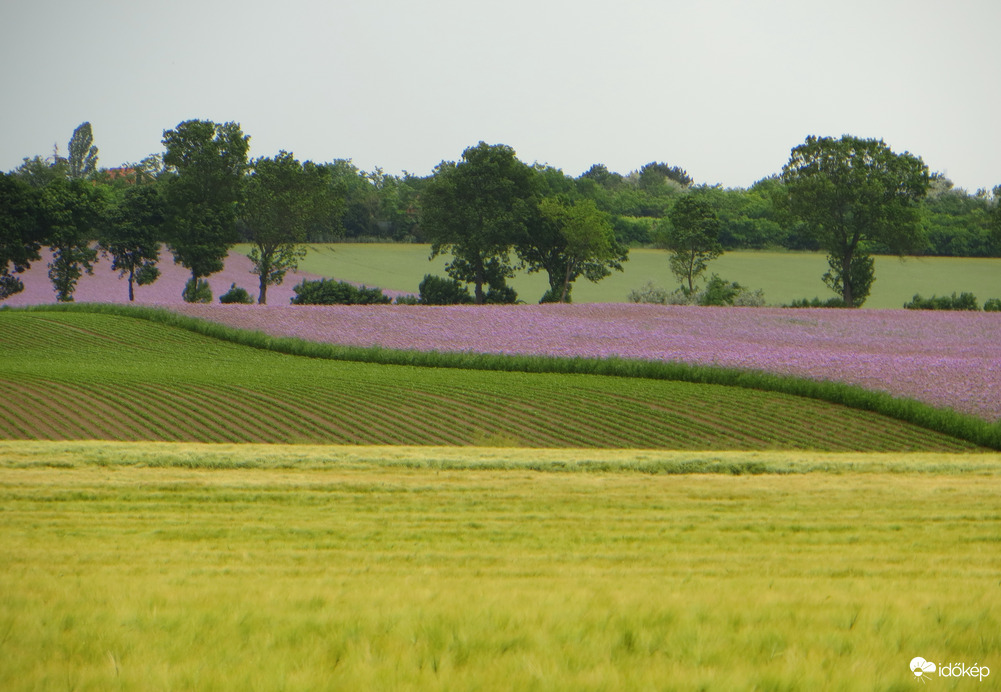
column 87, row 375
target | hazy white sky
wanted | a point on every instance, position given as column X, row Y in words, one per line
column 722, row 88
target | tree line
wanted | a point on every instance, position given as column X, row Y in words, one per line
column 489, row 212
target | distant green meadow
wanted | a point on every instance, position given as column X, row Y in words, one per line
column 169, row 566
column 783, row 276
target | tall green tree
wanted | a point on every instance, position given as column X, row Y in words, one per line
column 38, row 172
column 72, row 214
column 283, row 199
column 691, row 235
column 82, row 158
column 133, row 234
column 20, row 234
column 656, row 174
column 996, row 221
column 957, row 224
column 476, row 210
column 206, row 163
column 852, row 194
column 570, row 239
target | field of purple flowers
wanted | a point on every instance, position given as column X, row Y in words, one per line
column 944, row 359
column 948, row 359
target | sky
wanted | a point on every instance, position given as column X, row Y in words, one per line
column 722, row 88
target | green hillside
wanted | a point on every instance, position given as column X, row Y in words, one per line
column 82, row 375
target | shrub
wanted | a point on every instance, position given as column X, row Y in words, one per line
column 434, row 290
column 328, row 292
column 503, row 295
column 197, row 291
column 992, row 305
column 649, row 293
column 750, row 299
column 718, row 292
column 965, row 301
column 235, row 294
column 407, row 299
column 817, row 303
column 552, row 295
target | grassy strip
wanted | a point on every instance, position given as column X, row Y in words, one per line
column 225, row 456
column 945, row 421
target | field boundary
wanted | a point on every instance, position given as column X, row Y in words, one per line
column 946, row 421
column 206, row 456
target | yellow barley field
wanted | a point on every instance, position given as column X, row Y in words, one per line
column 253, row 567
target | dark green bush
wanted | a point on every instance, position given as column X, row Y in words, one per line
column 719, row 291
column 329, row 292
column 817, row 303
column 965, row 301
column 435, row 290
column 235, row 294
column 502, row 295
column 992, row 305
column 197, row 291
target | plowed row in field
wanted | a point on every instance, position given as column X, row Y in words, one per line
column 84, row 376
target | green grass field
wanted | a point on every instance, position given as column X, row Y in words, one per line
column 85, row 375
column 138, row 566
column 784, row 276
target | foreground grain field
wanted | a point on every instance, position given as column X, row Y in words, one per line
column 170, row 567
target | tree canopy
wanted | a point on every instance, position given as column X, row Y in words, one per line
column 20, row 234
column 854, row 195
column 475, row 210
column 492, row 213
column 569, row 240
column 82, row 158
column 132, row 235
column 72, row 211
column 283, row 198
column 206, row 163
column 692, row 237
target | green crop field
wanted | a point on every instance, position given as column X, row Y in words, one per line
column 168, row 566
column 784, row 276
column 83, row 375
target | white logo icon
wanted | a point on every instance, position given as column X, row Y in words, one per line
column 921, row 667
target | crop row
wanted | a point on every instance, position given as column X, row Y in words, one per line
column 49, row 409
column 77, row 375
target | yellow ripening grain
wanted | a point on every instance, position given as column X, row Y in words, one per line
column 221, row 567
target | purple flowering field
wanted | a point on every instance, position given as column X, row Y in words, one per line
column 104, row 286
column 949, row 359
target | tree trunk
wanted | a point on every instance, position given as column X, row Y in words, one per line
column 847, row 289
column 566, row 285
column 262, row 294
column 478, row 296
column 132, row 274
